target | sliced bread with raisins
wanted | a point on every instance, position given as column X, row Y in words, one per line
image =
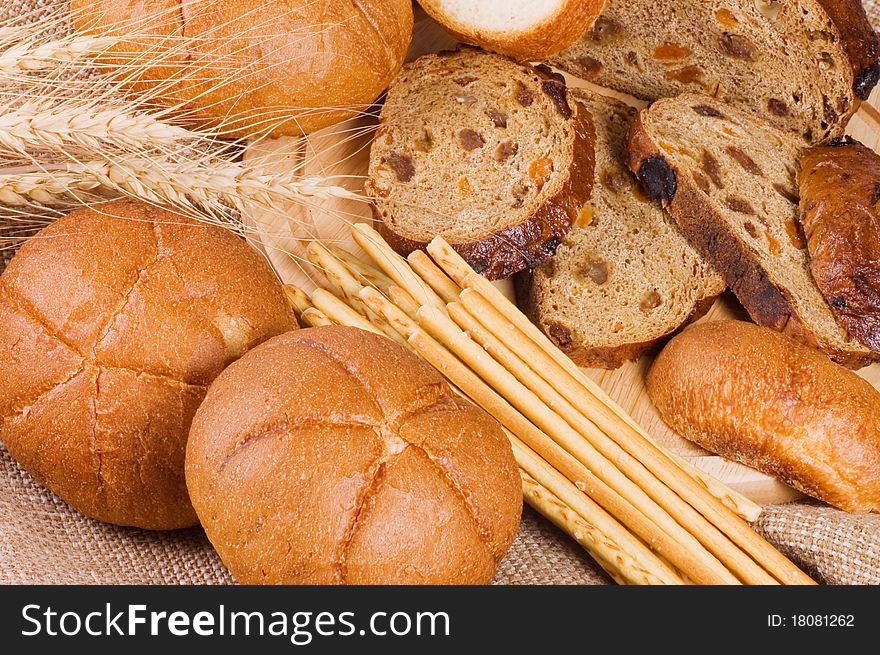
column 625, row 278
column 492, row 155
column 530, row 30
column 840, row 213
column 730, row 181
column 801, row 65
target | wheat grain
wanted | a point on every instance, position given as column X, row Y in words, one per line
column 46, row 187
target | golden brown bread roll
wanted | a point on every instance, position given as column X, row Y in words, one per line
column 764, row 400
column 113, row 321
column 294, row 66
column 334, row 456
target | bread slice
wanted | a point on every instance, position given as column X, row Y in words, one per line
column 729, row 180
column 494, row 156
column 840, row 213
column 529, row 30
column 624, row 278
column 800, row 65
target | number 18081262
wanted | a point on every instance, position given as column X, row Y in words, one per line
column 811, row 621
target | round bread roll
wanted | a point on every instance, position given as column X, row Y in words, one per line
column 334, row 456
column 113, row 321
column 288, row 67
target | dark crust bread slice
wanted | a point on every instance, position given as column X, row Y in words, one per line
column 620, row 225
column 768, row 304
column 534, row 239
column 840, row 214
column 858, row 40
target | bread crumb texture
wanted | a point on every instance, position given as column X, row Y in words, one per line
column 802, row 66
column 625, row 277
column 494, row 156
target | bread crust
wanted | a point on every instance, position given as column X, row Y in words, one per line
column 755, row 396
column 767, row 303
column 859, row 42
column 840, row 214
column 416, row 484
column 112, row 324
column 549, row 37
column 321, row 76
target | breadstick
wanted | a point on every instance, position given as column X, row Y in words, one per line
column 459, row 270
column 677, row 517
column 652, row 524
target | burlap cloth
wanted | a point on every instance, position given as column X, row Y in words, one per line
column 42, row 541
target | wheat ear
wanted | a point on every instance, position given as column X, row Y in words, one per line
column 55, row 126
column 33, row 57
column 207, row 185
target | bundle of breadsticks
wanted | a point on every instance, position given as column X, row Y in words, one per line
column 646, row 516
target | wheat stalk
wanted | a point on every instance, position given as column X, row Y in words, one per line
column 70, row 137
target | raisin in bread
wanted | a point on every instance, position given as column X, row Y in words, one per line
column 730, row 182
column 494, row 156
column 624, row 278
column 801, row 65
column 529, row 30
column 840, row 213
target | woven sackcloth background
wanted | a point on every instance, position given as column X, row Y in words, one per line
column 42, row 541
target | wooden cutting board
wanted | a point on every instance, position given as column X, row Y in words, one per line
column 343, row 152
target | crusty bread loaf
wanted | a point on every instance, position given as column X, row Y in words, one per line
column 625, row 277
column 287, row 67
column 757, row 397
column 729, row 180
column 840, row 214
column 113, row 321
column 529, row 30
column 335, row 456
column 800, row 65
column 494, row 156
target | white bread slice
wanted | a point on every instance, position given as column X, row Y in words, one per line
column 528, row 30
